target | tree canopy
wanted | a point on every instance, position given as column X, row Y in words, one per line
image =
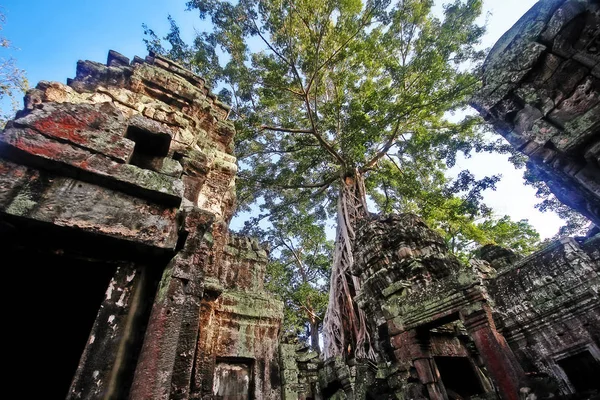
column 338, row 105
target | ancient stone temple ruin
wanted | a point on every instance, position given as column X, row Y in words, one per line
column 541, row 91
column 116, row 192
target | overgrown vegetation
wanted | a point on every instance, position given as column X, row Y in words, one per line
column 340, row 106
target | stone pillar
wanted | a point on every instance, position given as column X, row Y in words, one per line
column 165, row 365
column 417, row 348
column 498, row 358
column 103, row 366
column 289, row 371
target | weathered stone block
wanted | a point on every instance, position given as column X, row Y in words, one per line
column 579, row 30
column 585, row 97
column 152, row 127
column 64, row 202
column 98, row 128
column 560, row 86
column 92, row 74
column 27, row 146
column 561, row 18
column 115, row 59
column 502, row 78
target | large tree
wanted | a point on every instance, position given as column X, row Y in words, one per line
column 323, row 91
column 328, row 95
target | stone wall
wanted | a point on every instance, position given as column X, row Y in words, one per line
column 541, row 91
column 548, row 308
column 505, row 326
column 127, row 171
column 116, row 192
column 433, row 316
column 241, row 323
column 300, row 370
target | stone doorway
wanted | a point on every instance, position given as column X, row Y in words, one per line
column 582, row 370
column 52, row 316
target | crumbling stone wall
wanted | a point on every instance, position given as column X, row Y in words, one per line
column 547, row 306
column 541, row 91
column 428, row 309
column 130, row 166
column 124, row 179
column 300, row 370
column 503, row 316
column 241, row 323
column 509, row 326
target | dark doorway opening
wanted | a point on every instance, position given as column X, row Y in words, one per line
column 51, row 301
column 459, row 377
column 583, row 371
column 332, row 389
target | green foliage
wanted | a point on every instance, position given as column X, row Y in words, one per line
column 326, row 90
column 13, row 82
column 199, row 57
column 320, row 88
column 299, row 274
column 454, row 208
column 519, row 236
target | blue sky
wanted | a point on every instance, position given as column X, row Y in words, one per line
column 53, row 34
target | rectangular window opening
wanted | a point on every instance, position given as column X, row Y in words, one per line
column 149, row 147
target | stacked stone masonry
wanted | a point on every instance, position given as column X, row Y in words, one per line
column 116, row 191
column 541, row 91
column 506, row 327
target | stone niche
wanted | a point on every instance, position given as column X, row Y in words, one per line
column 116, row 191
column 541, row 91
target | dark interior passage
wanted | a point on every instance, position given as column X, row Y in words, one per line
column 583, row 371
column 51, row 302
column 458, row 377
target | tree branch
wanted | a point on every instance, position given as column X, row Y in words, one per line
column 328, row 147
column 276, row 151
column 282, row 129
column 394, row 162
column 386, row 147
column 323, row 184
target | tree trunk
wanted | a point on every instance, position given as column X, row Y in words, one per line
column 345, row 328
column 314, row 335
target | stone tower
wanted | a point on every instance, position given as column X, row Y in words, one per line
column 116, row 192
